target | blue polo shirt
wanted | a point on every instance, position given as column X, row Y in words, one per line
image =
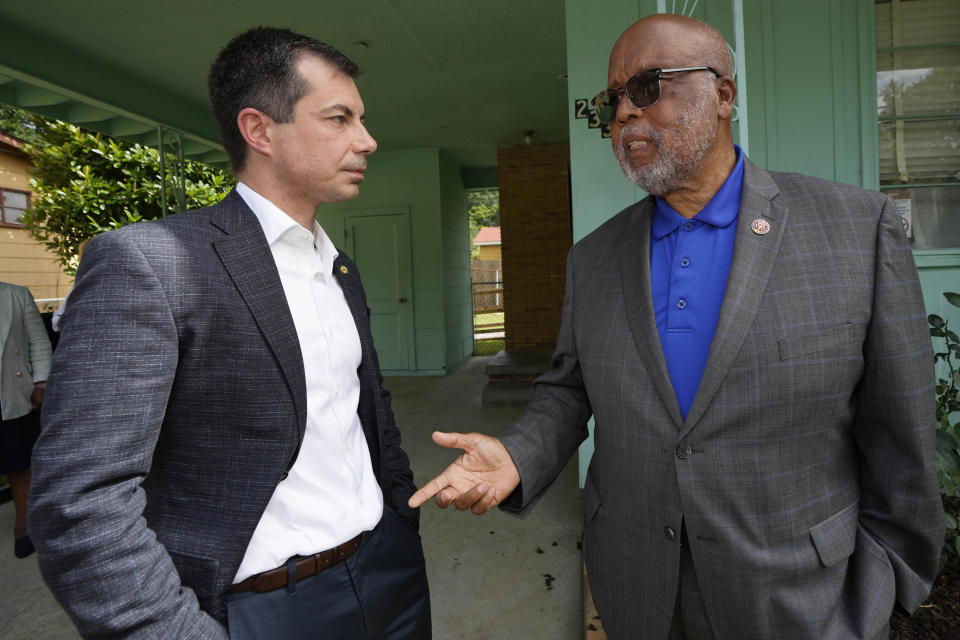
column 689, row 266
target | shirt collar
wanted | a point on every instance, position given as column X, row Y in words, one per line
column 720, row 212
column 276, row 224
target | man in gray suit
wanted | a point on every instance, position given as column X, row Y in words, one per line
column 753, row 349
column 217, row 451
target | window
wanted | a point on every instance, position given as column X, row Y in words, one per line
column 13, row 204
column 918, row 115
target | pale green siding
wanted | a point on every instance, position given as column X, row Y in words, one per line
column 456, row 264
column 411, row 181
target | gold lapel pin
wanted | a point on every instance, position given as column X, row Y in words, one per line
column 344, row 270
column 760, row 226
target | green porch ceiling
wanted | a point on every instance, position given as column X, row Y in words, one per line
column 464, row 77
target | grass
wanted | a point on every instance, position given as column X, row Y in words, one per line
column 488, row 322
column 488, row 347
column 488, row 318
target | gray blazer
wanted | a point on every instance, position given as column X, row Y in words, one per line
column 24, row 350
column 176, row 404
column 805, row 468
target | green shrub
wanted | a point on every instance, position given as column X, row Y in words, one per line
column 948, row 433
column 86, row 183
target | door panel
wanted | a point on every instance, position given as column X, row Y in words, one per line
column 380, row 245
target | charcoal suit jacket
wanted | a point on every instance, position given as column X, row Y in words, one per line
column 176, row 404
column 804, row 470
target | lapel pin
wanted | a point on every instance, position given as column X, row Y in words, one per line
column 344, row 270
column 760, row 226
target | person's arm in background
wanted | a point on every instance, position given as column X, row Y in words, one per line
column 40, row 352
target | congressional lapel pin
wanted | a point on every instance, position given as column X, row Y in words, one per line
column 344, row 270
column 760, row 226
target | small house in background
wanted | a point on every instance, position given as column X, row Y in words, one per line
column 24, row 260
column 486, row 271
column 487, row 242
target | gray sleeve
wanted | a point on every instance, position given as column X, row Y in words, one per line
column 554, row 423
column 894, row 427
column 40, row 352
column 102, row 415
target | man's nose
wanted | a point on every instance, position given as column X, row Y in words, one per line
column 364, row 143
column 626, row 109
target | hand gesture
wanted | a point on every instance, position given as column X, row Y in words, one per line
column 482, row 477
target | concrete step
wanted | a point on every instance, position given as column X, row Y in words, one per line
column 510, row 374
column 504, row 394
column 518, row 363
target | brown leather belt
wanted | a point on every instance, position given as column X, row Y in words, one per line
column 306, row 566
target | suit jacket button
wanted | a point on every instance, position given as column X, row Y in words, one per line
column 684, row 451
column 19, row 374
column 670, row 533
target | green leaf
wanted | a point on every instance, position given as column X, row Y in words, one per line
column 952, row 298
column 947, row 456
column 936, row 321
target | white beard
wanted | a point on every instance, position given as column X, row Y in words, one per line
column 680, row 147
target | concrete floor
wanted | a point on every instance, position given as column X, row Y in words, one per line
column 490, row 576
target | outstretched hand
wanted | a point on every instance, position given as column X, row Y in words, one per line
column 480, row 479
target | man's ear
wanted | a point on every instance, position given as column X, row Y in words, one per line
column 727, row 96
column 255, row 128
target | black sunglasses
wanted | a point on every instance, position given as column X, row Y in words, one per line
column 643, row 90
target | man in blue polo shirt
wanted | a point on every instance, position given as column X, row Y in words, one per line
column 753, row 348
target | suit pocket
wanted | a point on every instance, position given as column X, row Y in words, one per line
column 836, row 537
column 199, row 574
column 825, row 339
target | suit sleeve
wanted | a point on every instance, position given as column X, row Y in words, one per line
column 894, row 426
column 102, row 416
column 40, row 351
column 554, row 423
column 398, row 477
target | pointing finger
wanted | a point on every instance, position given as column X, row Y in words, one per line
column 427, row 491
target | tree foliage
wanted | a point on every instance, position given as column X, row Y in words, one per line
column 483, row 211
column 85, row 183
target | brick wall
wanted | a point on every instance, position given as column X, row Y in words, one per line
column 536, row 235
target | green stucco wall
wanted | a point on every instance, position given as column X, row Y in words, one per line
column 458, row 303
column 411, row 181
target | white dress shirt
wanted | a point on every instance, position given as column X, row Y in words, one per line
column 330, row 494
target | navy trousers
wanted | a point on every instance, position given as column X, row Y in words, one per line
column 378, row 593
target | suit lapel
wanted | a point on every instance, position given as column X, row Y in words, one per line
column 754, row 255
column 247, row 258
column 347, row 275
column 638, row 304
